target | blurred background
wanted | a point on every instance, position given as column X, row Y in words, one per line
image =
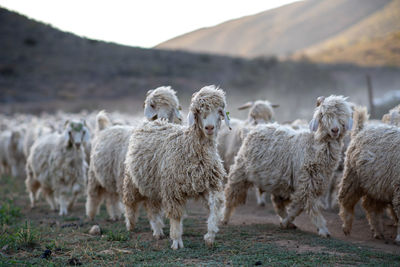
column 73, row 56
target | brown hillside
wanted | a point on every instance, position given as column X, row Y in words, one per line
column 377, row 51
column 306, row 27
column 279, row 31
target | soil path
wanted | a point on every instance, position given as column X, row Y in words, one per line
column 250, row 213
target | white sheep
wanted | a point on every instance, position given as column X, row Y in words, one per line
column 293, row 165
column 372, row 173
column 12, row 158
column 106, row 169
column 168, row 164
column 57, row 168
column 229, row 141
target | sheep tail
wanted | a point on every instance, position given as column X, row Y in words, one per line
column 102, row 121
column 360, row 116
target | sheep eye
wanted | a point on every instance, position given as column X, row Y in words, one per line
column 152, row 106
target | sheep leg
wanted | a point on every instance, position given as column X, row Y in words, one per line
column 33, row 187
column 280, row 204
column 374, row 211
column 63, row 205
column 294, row 209
column 392, row 214
column 348, row 198
column 396, row 208
column 131, row 199
column 112, row 205
column 318, row 219
column 49, row 196
column 176, row 231
column 235, row 194
column 154, row 214
column 216, row 201
column 261, row 196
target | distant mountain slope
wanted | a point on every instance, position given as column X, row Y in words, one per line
column 382, row 51
column 300, row 27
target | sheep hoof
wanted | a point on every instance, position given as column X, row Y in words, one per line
column 224, row 222
column 176, row 244
column 287, row 225
column 159, row 236
column 130, row 226
column 346, row 231
column 261, row 204
column 209, row 239
column 324, row 233
column 379, row 236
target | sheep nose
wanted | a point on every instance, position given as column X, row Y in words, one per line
column 335, row 130
column 209, row 127
column 78, row 145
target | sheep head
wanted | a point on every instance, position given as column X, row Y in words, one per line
column 261, row 111
column 162, row 103
column 206, row 111
column 76, row 133
column 332, row 117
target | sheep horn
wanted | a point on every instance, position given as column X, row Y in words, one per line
column 320, row 99
column 246, row 106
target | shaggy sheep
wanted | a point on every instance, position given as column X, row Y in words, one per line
column 393, row 117
column 372, row 173
column 33, row 132
column 293, row 165
column 229, row 141
column 168, row 164
column 106, row 169
column 57, row 168
column 12, row 159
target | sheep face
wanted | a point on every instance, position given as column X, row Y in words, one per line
column 152, row 111
column 332, row 117
column 162, row 103
column 76, row 133
column 209, row 122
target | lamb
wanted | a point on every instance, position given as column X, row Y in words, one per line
column 168, row 164
column 229, row 142
column 293, row 165
column 106, row 169
column 57, row 168
column 371, row 173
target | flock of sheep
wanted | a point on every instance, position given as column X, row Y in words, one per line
column 160, row 163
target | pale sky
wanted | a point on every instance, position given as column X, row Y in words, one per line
column 143, row 23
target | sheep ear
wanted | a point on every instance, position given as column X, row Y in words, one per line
column 246, row 106
column 149, row 112
column 349, row 124
column 66, row 123
column 66, row 136
column 190, row 118
column 320, row 100
column 393, row 117
column 149, row 92
column 178, row 114
column 313, row 125
column 226, row 118
column 86, row 136
column 275, row 105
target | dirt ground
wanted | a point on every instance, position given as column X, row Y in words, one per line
column 250, row 213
